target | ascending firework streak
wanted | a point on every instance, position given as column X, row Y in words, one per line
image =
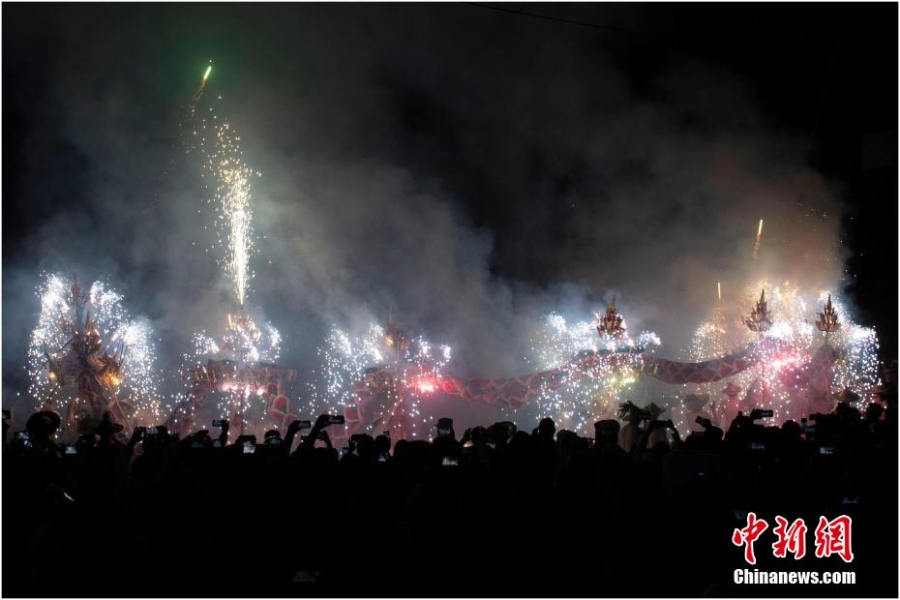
column 758, row 240
column 197, row 95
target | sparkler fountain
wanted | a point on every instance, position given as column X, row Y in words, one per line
column 244, row 363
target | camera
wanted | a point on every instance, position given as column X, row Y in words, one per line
column 704, row 421
column 219, row 422
column 335, row 419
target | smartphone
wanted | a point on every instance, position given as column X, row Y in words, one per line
column 766, row 414
column 218, row 422
column 152, row 431
column 450, row 461
column 273, row 441
column 758, row 446
column 335, row 419
column 826, row 449
column 444, row 432
column 305, row 424
column 71, row 450
column 850, row 500
column 249, row 448
column 345, row 450
column 23, row 437
column 382, row 457
column 703, row 421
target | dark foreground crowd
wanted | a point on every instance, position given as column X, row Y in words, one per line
column 492, row 512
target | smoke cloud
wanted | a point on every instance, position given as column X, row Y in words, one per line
column 467, row 169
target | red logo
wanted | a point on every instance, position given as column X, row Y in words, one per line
column 747, row 536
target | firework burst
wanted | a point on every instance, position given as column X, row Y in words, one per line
column 87, row 352
column 379, row 375
column 853, row 350
column 598, row 370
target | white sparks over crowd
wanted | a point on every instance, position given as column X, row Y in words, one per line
column 793, row 314
column 89, row 339
column 599, row 371
column 394, row 374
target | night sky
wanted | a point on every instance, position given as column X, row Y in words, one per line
column 470, row 167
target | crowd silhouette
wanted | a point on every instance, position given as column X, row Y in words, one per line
column 494, row 511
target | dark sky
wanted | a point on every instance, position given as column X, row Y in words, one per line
column 472, row 167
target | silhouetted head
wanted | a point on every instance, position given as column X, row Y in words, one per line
column 874, row 412
column 790, row 430
column 606, row 432
column 106, row 429
column 445, row 428
column 478, row 435
column 382, row 444
column 42, row 424
column 546, row 427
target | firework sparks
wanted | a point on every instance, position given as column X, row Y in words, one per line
column 855, row 353
column 90, row 337
column 597, row 371
column 232, row 195
column 235, row 368
column 395, row 379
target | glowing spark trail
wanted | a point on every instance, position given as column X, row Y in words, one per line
column 198, row 94
column 758, row 239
